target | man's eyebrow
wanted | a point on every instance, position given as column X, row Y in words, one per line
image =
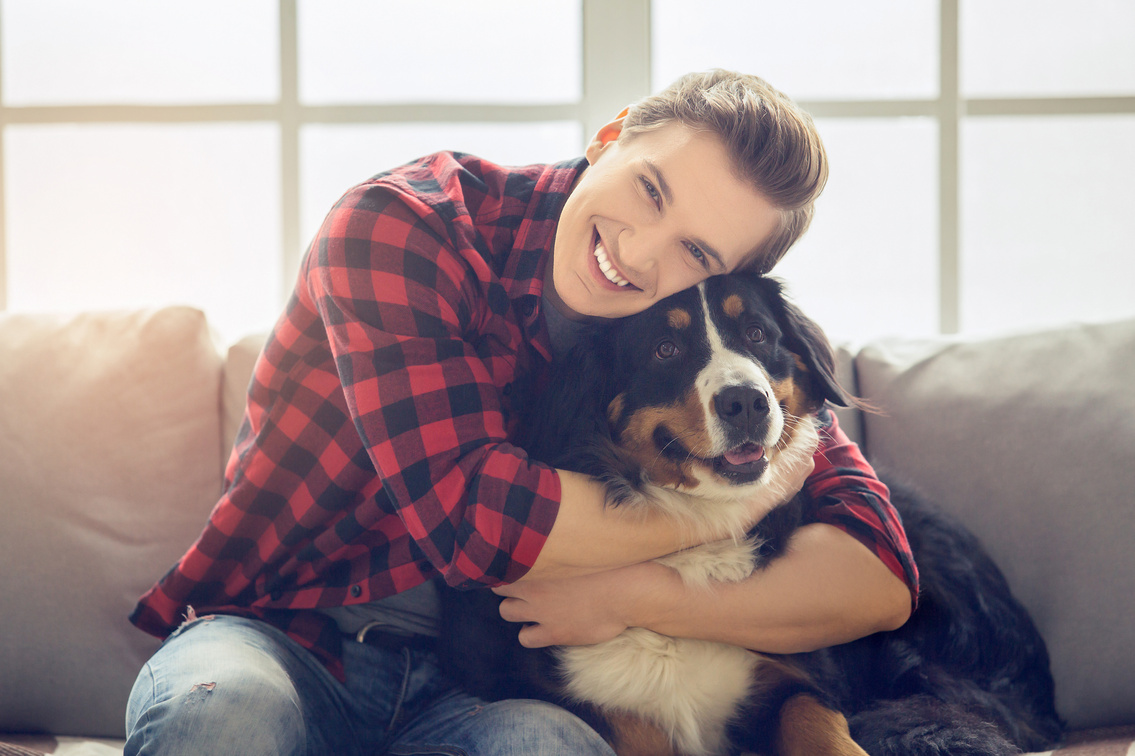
column 711, row 253
column 664, row 187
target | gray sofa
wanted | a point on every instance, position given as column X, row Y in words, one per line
column 114, row 429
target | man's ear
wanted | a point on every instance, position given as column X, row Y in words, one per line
column 607, row 133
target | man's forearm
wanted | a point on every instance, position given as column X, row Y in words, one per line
column 828, row 589
column 588, row 536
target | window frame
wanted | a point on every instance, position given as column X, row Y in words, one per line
column 616, row 71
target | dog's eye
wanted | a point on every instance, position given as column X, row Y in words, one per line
column 754, row 334
column 665, row 350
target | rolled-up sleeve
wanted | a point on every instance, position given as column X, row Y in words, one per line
column 848, row 495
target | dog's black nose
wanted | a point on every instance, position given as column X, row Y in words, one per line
column 743, row 407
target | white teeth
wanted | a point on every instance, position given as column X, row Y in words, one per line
column 606, row 266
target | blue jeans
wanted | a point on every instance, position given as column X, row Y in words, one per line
column 229, row 685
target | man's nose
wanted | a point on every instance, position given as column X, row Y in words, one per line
column 639, row 249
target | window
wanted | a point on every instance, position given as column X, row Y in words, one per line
column 157, row 153
column 981, row 149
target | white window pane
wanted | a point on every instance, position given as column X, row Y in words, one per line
column 73, row 52
column 868, row 266
column 335, row 158
column 1047, row 225
column 811, row 49
column 1047, row 47
column 109, row 217
column 491, row 51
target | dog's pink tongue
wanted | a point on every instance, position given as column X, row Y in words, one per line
column 745, row 454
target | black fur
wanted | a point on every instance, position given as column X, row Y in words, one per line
column 970, row 654
column 968, row 674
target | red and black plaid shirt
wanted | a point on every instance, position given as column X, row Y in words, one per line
column 374, row 451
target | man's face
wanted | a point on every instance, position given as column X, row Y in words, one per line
column 652, row 215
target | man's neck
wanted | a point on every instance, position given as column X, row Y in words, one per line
column 553, row 297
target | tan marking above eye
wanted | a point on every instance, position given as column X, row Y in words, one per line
column 733, row 305
column 615, row 408
column 679, row 318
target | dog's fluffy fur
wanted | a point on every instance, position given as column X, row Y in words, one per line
column 690, row 408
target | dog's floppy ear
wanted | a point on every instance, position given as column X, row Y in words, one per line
column 807, row 341
column 567, row 425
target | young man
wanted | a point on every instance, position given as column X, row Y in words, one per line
column 374, row 456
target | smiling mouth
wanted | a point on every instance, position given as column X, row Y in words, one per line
column 606, row 268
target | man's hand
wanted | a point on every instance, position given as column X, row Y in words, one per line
column 576, row 611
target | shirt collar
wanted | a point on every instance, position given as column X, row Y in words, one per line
column 524, row 268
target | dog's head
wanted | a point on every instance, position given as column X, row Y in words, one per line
column 703, row 390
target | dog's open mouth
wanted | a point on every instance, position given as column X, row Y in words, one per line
column 743, row 464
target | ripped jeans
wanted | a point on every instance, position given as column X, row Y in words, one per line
column 229, row 685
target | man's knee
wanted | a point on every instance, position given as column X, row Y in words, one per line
column 206, row 694
column 535, row 727
column 254, row 714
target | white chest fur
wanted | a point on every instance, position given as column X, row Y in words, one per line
column 691, row 687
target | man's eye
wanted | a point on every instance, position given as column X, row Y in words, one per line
column 651, row 191
column 696, row 253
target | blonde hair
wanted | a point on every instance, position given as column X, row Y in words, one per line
column 774, row 144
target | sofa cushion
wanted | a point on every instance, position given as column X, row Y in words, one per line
column 109, row 466
column 1030, row 440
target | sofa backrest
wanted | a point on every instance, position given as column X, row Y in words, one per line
column 240, row 359
column 1030, row 440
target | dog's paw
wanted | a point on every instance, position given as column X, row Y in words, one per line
column 721, row 561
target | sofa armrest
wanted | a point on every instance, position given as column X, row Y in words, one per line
column 109, row 466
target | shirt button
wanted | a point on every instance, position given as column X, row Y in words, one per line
column 356, row 591
column 507, row 391
column 529, row 308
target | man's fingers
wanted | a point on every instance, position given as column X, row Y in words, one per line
column 531, row 635
column 514, row 610
column 535, row 636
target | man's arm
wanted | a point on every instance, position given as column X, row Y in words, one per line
column 847, row 574
column 827, row 589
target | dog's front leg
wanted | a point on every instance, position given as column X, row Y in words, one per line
column 808, row 728
column 786, row 714
column 728, row 561
column 634, row 736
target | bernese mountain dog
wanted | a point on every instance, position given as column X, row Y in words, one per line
column 690, row 407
